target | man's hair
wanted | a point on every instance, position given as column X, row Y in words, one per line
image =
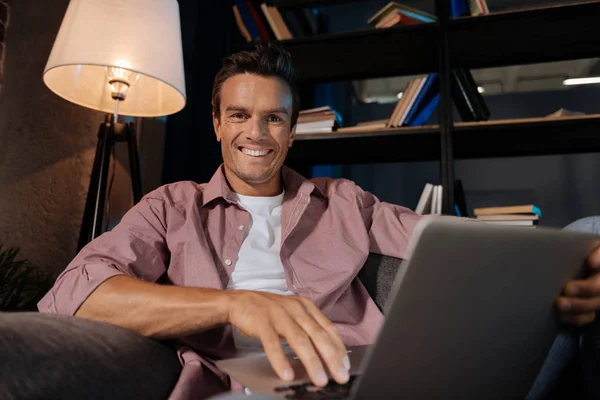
column 266, row 59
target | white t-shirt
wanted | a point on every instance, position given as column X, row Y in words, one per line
column 259, row 266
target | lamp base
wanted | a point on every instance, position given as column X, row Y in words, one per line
column 108, row 134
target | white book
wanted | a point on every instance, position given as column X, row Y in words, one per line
column 314, row 130
column 520, row 223
column 433, row 208
column 439, row 199
column 316, row 124
column 424, row 203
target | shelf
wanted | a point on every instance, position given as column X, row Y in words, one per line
column 403, row 50
column 500, row 39
column 550, row 34
column 528, row 137
column 383, row 145
column 510, row 138
column 289, row 4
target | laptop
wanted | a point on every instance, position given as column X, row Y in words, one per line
column 470, row 316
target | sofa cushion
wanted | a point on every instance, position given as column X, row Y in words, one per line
column 48, row 356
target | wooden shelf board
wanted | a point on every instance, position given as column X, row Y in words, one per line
column 565, row 32
column 489, row 139
column 391, row 145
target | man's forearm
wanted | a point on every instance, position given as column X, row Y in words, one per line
column 156, row 311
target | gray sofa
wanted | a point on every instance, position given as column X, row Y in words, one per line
column 59, row 357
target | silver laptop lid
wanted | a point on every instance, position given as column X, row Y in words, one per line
column 472, row 316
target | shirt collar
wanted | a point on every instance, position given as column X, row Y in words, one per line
column 293, row 182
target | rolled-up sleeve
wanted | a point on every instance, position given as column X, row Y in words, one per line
column 390, row 226
column 136, row 247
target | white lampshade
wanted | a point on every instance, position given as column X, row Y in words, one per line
column 142, row 36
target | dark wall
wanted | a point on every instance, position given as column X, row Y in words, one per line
column 191, row 150
column 46, row 143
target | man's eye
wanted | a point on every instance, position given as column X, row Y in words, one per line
column 238, row 116
column 274, row 118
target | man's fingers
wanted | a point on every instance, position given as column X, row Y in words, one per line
column 302, row 345
column 573, row 305
column 593, row 259
column 328, row 326
column 578, row 319
column 584, row 288
column 274, row 351
column 324, row 343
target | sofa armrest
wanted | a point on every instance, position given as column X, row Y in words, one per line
column 378, row 274
column 62, row 357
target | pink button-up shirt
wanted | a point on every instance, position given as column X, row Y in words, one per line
column 187, row 234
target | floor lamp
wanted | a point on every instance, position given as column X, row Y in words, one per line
column 118, row 57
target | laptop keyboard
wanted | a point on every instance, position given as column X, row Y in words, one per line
column 307, row 391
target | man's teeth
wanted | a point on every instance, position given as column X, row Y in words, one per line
column 255, row 153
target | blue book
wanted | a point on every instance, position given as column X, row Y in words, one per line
column 425, row 114
column 430, row 87
column 247, row 18
column 459, row 8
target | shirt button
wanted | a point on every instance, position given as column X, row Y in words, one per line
column 228, row 262
column 241, row 228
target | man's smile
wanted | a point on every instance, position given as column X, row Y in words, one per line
column 255, row 152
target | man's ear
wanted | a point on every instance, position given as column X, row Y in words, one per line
column 217, row 127
column 292, row 135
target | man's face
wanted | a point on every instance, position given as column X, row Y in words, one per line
column 255, row 127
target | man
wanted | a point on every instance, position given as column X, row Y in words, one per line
column 256, row 255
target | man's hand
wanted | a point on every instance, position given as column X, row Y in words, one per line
column 581, row 298
column 298, row 320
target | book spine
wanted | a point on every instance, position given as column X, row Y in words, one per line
column 262, row 29
column 248, row 20
column 469, row 102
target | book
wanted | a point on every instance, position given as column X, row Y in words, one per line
column 316, row 117
column 396, row 18
column 461, row 208
column 515, row 223
column 276, row 22
column 478, row 7
column 266, row 33
column 516, row 209
column 405, row 103
column 459, row 8
column 249, row 23
column 425, row 199
column 394, row 6
column 469, row 102
column 240, row 24
column 293, row 24
column 509, row 217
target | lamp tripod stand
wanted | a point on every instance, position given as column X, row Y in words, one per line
column 109, row 133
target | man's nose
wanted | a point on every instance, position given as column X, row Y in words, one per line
column 257, row 129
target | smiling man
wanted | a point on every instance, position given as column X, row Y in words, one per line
column 256, row 255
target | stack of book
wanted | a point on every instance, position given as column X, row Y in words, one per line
column 422, row 95
column 527, row 215
column 318, row 120
column 256, row 20
column 430, row 201
column 394, row 13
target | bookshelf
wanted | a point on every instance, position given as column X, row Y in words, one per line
column 507, row 138
column 538, row 35
column 287, row 4
column 520, row 37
